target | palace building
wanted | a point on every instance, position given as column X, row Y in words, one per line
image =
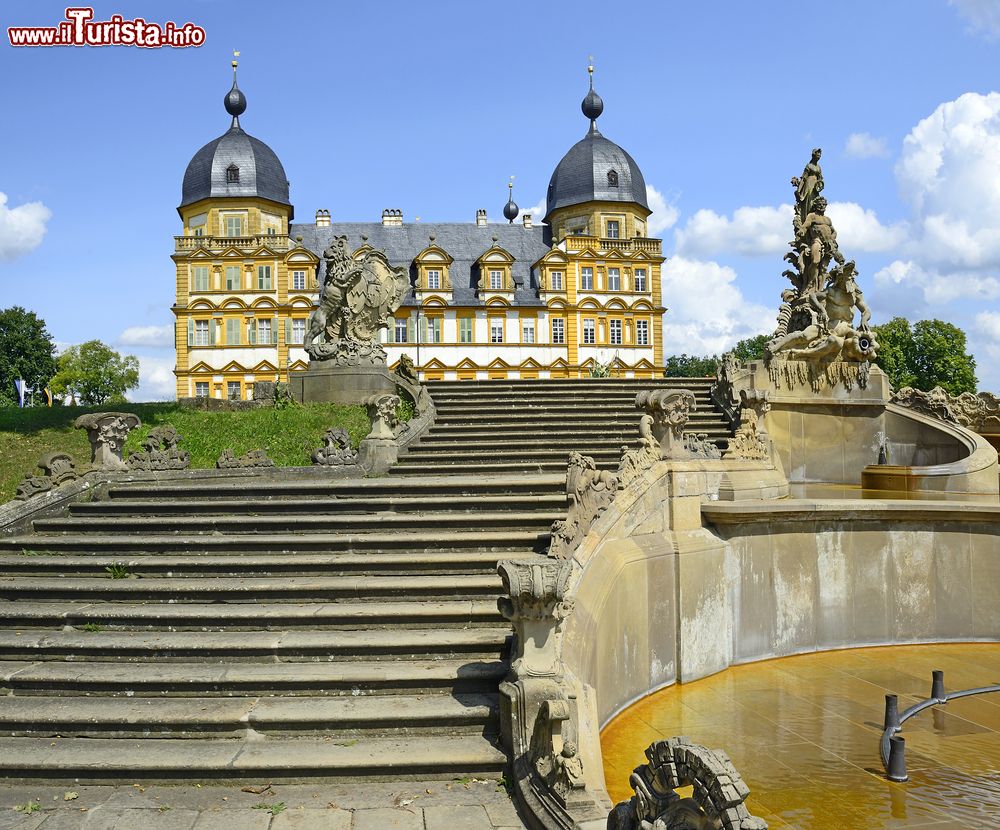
column 573, row 296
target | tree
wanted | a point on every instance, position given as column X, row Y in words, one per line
column 689, row 366
column 752, row 348
column 26, row 352
column 94, row 373
column 927, row 354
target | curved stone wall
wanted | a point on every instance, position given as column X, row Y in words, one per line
column 672, row 585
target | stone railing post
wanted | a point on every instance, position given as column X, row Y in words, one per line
column 539, row 718
column 107, row 432
column 380, row 450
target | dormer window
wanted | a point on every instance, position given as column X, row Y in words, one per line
column 612, row 178
column 232, row 174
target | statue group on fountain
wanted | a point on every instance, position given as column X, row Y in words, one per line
column 816, row 319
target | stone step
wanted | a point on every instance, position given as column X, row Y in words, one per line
column 252, row 506
column 600, row 400
column 352, row 522
column 404, row 468
column 245, row 616
column 416, row 542
column 198, row 563
column 110, row 760
column 267, row 487
column 514, row 409
column 199, row 717
column 571, row 383
column 248, row 589
column 194, row 679
column 529, row 445
column 230, row 646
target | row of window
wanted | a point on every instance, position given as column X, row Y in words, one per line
column 615, row 281
column 232, row 226
column 234, row 390
column 233, row 279
column 404, row 331
column 259, row 331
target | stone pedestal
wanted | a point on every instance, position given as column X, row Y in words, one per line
column 828, row 424
column 325, row 382
column 377, row 455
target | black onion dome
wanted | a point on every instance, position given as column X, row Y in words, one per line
column 235, row 164
column 592, row 105
column 510, row 210
column 595, row 169
column 235, row 101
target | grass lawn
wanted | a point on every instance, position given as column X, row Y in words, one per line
column 289, row 435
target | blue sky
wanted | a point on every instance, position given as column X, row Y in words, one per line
column 430, row 106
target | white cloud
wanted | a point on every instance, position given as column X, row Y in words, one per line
column 156, row 380
column 766, row 231
column 706, row 312
column 147, row 336
column 537, row 212
column 21, row 228
column 665, row 214
column 859, row 229
column 988, row 323
column 865, row 146
column 982, row 15
column 903, row 284
column 752, row 231
column 949, row 174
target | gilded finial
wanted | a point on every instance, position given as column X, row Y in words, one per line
column 236, row 54
column 590, row 69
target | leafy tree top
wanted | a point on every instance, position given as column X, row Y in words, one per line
column 94, row 373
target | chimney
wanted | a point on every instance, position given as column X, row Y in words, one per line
column 481, row 218
column 322, row 218
column 392, row 218
column 527, row 220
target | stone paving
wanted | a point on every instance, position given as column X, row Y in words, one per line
column 461, row 804
column 804, row 734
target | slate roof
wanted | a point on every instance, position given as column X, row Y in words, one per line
column 261, row 173
column 582, row 175
column 464, row 242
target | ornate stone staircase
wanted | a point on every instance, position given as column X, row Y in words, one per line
column 532, row 426
column 288, row 625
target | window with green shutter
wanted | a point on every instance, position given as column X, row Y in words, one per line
column 263, row 277
column 234, row 278
column 465, row 329
column 233, row 331
column 201, row 278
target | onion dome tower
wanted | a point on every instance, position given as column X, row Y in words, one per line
column 235, row 165
column 595, row 170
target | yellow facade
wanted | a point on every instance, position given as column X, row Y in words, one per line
column 576, row 297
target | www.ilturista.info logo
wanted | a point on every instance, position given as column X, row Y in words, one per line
column 80, row 29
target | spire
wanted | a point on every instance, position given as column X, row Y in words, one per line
column 235, row 101
column 510, row 210
column 592, row 105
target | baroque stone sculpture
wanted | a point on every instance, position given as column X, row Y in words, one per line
column 107, row 432
column 590, row 491
column 336, row 450
column 160, row 452
column 57, row 468
column 751, row 440
column 407, row 370
column 816, row 318
column 717, row 801
column 356, row 299
column 249, row 460
column 670, row 410
column 980, row 413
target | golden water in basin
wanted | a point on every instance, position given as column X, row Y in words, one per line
column 804, row 733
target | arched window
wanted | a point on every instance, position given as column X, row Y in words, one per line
column 233, row 174
column 612, row 178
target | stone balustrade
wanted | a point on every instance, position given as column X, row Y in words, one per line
column 275, row 241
